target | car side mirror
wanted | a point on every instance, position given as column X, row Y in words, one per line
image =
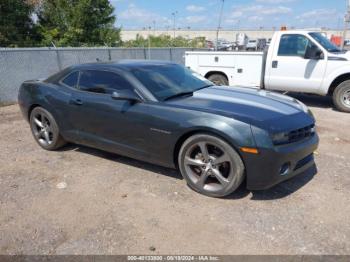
column 314, row 53
column 127, row 95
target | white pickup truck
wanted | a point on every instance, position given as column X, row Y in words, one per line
column 296, row 61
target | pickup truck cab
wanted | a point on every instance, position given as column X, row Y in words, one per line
column 295, row 61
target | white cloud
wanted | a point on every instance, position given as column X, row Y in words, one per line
column 195, row 8
column 236, row 14
column 276, row 10
column 257, row 15
column 263, row 10
column 257, row 12
column 275, row 1
column 138, row 15
column 255, row 18
column 318, row 14
column 195, row 19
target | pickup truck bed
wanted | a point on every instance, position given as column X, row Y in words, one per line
column 241, row 68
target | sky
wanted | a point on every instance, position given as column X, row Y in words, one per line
column 237, row 14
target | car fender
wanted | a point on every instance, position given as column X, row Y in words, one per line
column 43, row 99
column 345, row 69
column 236, row 133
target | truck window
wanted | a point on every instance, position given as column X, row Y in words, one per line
column 293, row 45
column 323, row 41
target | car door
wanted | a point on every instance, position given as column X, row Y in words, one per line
column 119, row 126
column 60, row 103
column 290, row 70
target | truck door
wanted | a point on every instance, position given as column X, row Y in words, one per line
column 296, row 64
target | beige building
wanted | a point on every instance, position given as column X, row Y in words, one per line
column 229, row 35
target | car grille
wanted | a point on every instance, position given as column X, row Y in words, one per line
column 301, row 134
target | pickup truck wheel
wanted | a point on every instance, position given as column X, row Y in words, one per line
column 341, row 97
column 218, row 79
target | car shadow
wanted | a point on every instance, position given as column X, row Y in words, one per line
column 314, row 100
column 281, row 190
column 123, row 160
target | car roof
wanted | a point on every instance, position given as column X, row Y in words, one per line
column 121, row 64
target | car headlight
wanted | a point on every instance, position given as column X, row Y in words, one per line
column 280, row 138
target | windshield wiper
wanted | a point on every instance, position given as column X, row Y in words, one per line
column 187, row 93
column 179, row 95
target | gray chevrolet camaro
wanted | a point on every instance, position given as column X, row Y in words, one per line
column 165, row 114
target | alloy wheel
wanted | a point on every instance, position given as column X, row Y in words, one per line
column 208, row 166
column 42, row 129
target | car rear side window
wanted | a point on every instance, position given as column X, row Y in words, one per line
column 71, row 80
column 103, row 82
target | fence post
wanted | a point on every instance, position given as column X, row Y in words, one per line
column 59, row 62
column 145, row 53
column 109, row 54
column 171, row 54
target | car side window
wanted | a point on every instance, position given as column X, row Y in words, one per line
column 294, row 45
column 71, row 80
column 102, row 82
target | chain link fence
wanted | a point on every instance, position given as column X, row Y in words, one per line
column 20, row 64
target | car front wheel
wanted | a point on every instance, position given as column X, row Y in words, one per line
column 45, row 129
column 210, row 165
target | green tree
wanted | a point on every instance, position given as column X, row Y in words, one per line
column 16, row 25
column 165, row 41
column 78, row 23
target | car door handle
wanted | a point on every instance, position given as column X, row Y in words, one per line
column 274, row 64
column 77, row 102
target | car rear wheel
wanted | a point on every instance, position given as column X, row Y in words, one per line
column 218, row 79
column 210, row 165
column 45, row 129
column 341, row 97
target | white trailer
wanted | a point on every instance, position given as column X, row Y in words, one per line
column 296, row 61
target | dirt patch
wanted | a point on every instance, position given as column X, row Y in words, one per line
column 84, row 201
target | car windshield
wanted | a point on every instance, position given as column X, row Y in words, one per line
column 323, row 41
column 165, row 81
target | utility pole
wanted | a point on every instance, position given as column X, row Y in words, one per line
column 346, row 23
column 149, row 42
column 219, row 26
column 174, row 17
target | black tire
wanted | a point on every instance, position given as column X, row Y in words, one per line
column 45, row 129
column 217, row 175
column 341, row 97
column 218, row 79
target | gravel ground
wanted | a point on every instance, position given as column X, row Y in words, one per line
column 85, row 201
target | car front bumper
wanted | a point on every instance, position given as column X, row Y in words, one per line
column 273, row 166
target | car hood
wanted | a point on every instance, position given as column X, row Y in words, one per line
column 261, row 108
column 345, row 55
